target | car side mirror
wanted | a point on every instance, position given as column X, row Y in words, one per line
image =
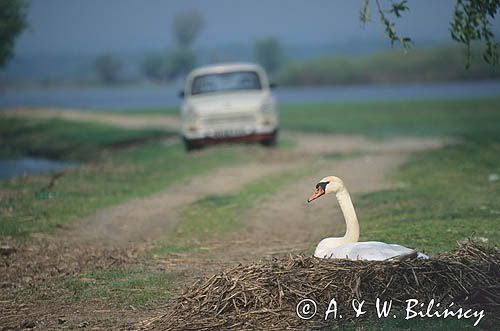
column 181, row 94
column 272, row 85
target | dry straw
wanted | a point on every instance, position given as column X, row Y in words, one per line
column 264, row 295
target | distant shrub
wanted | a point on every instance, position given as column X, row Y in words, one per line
column 415, row 65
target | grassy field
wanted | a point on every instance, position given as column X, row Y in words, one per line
column 59, row 139
column 113, row 175
column 213, row 216
column 437, row 190
column 446, row 195
column 115, row 287
column 145, row 111
column 469, row 118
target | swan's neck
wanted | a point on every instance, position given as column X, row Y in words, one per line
column 351, row 221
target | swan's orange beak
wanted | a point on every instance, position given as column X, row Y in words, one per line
column 319, row 192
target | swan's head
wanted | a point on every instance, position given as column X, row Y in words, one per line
column 330, row 184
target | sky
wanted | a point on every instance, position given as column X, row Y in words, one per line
column 93, row 26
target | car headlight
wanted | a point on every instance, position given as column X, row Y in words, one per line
column 190, row 120
column 267, row 108
column 190, row 115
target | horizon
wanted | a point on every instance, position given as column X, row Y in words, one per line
column 128, row 26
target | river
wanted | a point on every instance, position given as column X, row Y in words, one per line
column 136, row 97
column 30, row 166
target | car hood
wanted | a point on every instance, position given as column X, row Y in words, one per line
column 227, row 102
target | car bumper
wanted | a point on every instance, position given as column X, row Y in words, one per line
column 233, row 137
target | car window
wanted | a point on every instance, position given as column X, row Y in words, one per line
column 238, row 80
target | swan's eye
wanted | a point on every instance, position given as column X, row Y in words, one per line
column 322, row 185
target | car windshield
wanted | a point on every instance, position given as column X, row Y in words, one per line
column 237, row 80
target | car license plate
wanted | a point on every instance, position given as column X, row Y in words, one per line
column 229, row 133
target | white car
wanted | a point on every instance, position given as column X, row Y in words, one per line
column 228, row 102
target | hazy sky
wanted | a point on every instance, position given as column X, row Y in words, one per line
column 74, row 26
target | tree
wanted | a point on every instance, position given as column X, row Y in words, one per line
column 471, row 22
column 187, row 27
column 269, row 53
column 155, row 66
column 180, row 62
column 12, row 23
column 108, row 68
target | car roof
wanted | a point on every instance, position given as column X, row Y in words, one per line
column 225, row 67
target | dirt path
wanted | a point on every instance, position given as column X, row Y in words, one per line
column 118, row 119
column 286, row 223
column 142, row 220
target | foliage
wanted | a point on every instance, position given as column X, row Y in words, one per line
column 12, row 23
column 396, row 8
column 471, row 22
column 155, row 66
column 108, row 68
column 438, row 64
column 187, row 27
column 269, row 53
column 180, row 62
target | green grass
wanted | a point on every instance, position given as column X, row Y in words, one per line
column 386, row 119
column 447, row 195
column 438, row 324
column 68, row 140
column 446, row 198
column 122, row 175
column 27, row 207
column 172, row 111
column 215, row 215
column 117, row 287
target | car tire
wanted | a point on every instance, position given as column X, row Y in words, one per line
column 189, row 145
column 270, row 142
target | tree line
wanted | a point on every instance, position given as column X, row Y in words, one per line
column 471, row 23
column 168, row 66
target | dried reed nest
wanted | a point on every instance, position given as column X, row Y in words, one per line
column 264, row 295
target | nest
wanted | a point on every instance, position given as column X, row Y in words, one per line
column 264, row 295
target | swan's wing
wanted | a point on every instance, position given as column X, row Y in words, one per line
column 369, row 250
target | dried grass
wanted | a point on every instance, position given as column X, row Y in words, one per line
column 264, row 295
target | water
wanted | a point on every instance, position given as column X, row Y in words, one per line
column 421, row 91
column 135, row 97
column 30, row 166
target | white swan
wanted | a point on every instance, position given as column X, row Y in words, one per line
column 348, row 245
